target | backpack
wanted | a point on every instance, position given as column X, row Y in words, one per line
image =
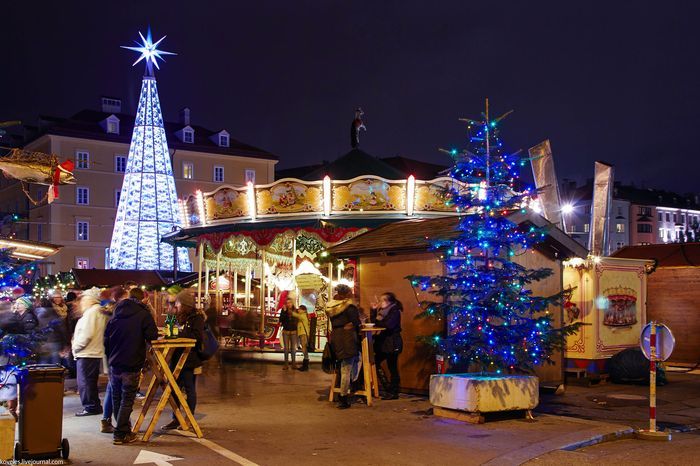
column 210, row 344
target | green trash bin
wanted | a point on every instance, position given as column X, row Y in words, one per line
column 41, row 413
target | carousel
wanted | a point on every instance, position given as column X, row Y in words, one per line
column 258, row 244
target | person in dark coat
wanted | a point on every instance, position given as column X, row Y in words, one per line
column 345, row 337
column 23, row 319
column 127, row 333
column 388, row 344
column 191, row 323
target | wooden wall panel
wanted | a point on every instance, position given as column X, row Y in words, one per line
column 379, row 274
column 673, row 298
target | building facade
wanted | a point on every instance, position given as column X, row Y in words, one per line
column 638, row 216
column 82, row 219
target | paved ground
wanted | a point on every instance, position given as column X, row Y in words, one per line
column 252, row 412
column 678, row 403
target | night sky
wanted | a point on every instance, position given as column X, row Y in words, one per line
column 612, row 81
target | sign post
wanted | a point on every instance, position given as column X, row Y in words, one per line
column 657, row 344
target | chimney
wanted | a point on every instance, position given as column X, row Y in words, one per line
column 185, row 116
column 111, row 104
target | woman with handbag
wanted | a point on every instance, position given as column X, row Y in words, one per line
column 289, row 332
column 388, row 344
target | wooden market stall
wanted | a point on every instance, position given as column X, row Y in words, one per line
column 673, row 292
column 386, row 255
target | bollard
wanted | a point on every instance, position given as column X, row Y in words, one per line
column 652, row 433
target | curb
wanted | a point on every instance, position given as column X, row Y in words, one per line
column 597, row 433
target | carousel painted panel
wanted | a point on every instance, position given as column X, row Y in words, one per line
column 225, row 203
column 434, row 195
column 369, row 193
column 289, row 196
column 192, row 213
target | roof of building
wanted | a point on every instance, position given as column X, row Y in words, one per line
column 665, row 255
column 87, row 278
column 642, row 196
column 355, row 163
column 416, row 234
column 86, row 124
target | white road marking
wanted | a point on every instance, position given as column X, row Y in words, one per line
column 147, row 457
column 218, row 449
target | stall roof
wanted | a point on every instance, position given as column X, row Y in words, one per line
column 87, row 278
column 29, row 250
column 416, row 234
column 665, row 255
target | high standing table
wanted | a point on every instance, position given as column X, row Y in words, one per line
column 157, row 355
column 369, row 369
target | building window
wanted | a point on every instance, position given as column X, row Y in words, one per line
column 82, row 232
column 620, row 245
column 188, row 136
column 219, row 174
column 82, row 159
column 82, row 263
column 117, row 196
column 39, row 232
column 645, row 211
column 223, row 140
column 643, row 228
column 187, row 170
column 661, row 217
column 586, row 227
column 620, row 227
column 682, row 218
column 120, row 163
column 82, row 195
column 113, row 126
column 675, row 218
column 249, row 175
column 661, row 233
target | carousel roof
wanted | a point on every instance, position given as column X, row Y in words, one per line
column 355, row 163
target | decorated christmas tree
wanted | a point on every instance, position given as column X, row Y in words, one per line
column 494, row 323
column 148, row 206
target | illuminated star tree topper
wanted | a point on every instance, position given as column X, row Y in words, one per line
column 149, row 51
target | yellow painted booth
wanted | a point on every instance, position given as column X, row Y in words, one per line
column 608, row 295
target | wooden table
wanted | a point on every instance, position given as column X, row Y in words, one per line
column 157, row 354
column 369, row 369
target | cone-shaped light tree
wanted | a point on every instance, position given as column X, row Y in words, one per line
column 494, row 323
column 148, row 206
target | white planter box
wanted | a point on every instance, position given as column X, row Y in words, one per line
column 477, row 393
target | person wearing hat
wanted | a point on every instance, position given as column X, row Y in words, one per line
column 128, row 332
column 23, row 319
column 344, row 318
column 191, row 323
column 88, row 350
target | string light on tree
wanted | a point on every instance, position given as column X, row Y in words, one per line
column 494, row 322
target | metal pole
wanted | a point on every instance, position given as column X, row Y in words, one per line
column 262, row 293
column 206, row 285
column 218, row 282
column 652, row 378
column 199, row 274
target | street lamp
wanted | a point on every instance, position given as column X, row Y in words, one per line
column 566, row 209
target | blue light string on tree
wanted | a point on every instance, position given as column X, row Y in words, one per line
column 494, row 322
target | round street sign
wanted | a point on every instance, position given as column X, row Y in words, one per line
column 664, row 341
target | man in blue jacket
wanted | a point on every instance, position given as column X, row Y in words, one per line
column 128, row 332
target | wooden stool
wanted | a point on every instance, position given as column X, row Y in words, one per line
column 157, row 355
column 369, row 369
